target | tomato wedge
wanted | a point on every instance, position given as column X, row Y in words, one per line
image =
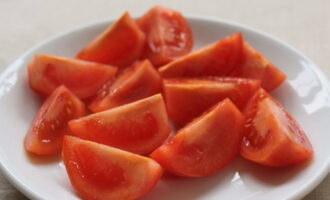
column 50, row 123
column 83, row 78
column 187, row 98
column 206, row 145
column 168, row 35
column 258, row 67
column 120, row 44
column 217, row 59
column 139, row 81
column 139, row 127
column 272, row 136
column 99, row 172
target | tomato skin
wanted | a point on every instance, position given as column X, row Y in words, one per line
column 216, row 59
column 136, row 82
column 99, row 172
column 50, row 123
column 139, row 127
column 272, row 136
column 168, row 35
column 188, row 98
column 205, row 145
column 120, row 44
column 84, row 79
column 256, row 66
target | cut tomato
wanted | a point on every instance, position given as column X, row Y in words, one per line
column 139, row 127
column 205, row 145
column 83, row 78
column 99, row 172
column 217, row 59
column 186, row 99
column 120, row 44
column 50, row 123
column 168, row 35
column 272, row 136
column 258, row 67
column 137, row 82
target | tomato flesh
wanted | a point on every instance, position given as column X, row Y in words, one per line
column 216, row 59
column 272, row 136
column 138, row 127
column 120, row 44
column 83, row 78
column 256, row 66
column 188, row 98
column 99, row 172
column 139, row 81
column 50, row 123
column 168, row 35
column 206, row 145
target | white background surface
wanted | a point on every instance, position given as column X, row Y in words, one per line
column 304, row 24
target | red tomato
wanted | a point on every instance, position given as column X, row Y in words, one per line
column 258, row 67
column 99, row 172
column 139, row 127
column 186, row 99
column 120, row 44
column 272, row 136
column 205, row 145
column 83, row 78
column 137, row 82
column 217, row 59
column 50, row 123
column 168, row 35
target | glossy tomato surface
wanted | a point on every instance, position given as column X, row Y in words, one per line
column 272, row 136
column 256, row 66
column 84, row 79
column 168, row 35
column 216, row 59
column 139, row 127
column 99, row 172
column 120, row 44
column 50, row 123
column 206, row 145
column 136, row 82
column 188, row 98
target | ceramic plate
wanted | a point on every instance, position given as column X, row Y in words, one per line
column 305, row 94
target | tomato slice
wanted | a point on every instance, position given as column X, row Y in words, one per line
column 50, row 123
column 217, row 59
column 139, row 127
column 120, row 44
column 139, row 81
column 83, row 78
column 258, row 67
column 187, row 98
column 272, row 136
column 168, row 35
column 206, row 145
column 99, row 172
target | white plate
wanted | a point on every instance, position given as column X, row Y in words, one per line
column 305, row 94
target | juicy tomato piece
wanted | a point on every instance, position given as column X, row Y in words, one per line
column 120, row 44
column 136, row 82
column 168, row 35
column 100, row 172
column 272, row 136
column 139, row 127
column 83, row 78
column 258, row 67
column 206, row 145
column 187, row 99
column 50, row 123
column 217, row 59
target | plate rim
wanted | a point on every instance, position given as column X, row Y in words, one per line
column 300, row 193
